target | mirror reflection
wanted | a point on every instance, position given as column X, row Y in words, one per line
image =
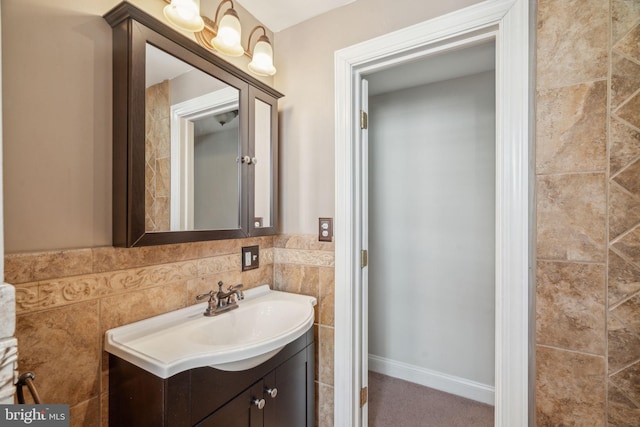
column 263, row 184
column 192, row 173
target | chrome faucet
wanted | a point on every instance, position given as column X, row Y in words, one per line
column 222, row 301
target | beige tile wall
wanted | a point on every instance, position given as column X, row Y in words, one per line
column 623, row 325
column 588, row 213
column 66, row 300
column 304, row 265
column 157, row 196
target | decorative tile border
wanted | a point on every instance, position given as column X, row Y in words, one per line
column 39, row 266
column 304, row 257
column 69, row 288
column 303, row 249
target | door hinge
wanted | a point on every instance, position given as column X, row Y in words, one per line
column 364, row 120
column 364, row 396
column 364, row 258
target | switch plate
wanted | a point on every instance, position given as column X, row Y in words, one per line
column 250, row 257
column 325, row 229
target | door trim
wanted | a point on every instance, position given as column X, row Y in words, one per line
column 508, row 22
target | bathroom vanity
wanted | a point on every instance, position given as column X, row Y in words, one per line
column 251, row 366
column 276, row 393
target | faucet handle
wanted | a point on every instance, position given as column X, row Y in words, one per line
column 220, row 286
column 238, row 290
column 210, row 294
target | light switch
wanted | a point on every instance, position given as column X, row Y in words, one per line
column 250, row 257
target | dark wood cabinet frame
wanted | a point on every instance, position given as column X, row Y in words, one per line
column 210, row 397
column 132, row 30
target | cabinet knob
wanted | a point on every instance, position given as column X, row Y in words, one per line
column 245, row 159
column 259, row 403
column 254, row 160
column 272, row 392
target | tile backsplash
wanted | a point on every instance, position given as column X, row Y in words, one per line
column 66, row 300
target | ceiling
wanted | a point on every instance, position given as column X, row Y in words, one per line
column 278, row 15
column 443, row 66
column 162, row 66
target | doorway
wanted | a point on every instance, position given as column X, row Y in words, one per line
column 430, row 214
column 506, row 22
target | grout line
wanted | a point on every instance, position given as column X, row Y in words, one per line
column 624, row 256
column 624, row 300
column 607, row 213
column 583, row 353
column 621, row 188
column 566, row 261
column 569, row 84
column 590, row 172
column 623, row 121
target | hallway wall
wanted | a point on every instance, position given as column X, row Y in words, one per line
column 305, row 61
column 432, row 227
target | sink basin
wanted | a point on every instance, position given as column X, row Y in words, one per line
column 240, row 339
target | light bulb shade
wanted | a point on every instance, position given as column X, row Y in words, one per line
column 185, row 14
column 227, row 40
column 262, row 61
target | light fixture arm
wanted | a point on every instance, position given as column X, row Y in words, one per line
column 216, row 21
column 209, row 31
column 261, row 55
column 247, row 51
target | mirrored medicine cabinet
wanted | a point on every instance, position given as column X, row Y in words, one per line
column 194, row 139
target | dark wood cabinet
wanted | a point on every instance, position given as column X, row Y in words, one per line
column 241, row 199
column 213, row 398
column 243, row 411
column 291, row 382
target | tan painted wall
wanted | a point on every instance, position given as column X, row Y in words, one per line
column 305, row 61
column 57, row 185
column 56, row 66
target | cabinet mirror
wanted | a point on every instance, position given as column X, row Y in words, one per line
column 264, row 133
column 192, row 147
column 195, row 139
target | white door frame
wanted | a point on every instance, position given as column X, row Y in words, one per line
column 182, row 116
column 508, row 22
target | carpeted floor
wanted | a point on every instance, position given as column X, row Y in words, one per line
column 398, row 403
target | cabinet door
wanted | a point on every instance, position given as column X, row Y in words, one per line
column 289, row 407
column 263, row 170
column 242, row 411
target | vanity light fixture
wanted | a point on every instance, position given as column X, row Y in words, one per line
column 226, row 36
column 184, row 14
column 262, row 58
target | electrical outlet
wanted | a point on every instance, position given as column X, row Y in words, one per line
column 250, row 257
column 325, row 229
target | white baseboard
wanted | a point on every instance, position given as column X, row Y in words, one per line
column 444, row 382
